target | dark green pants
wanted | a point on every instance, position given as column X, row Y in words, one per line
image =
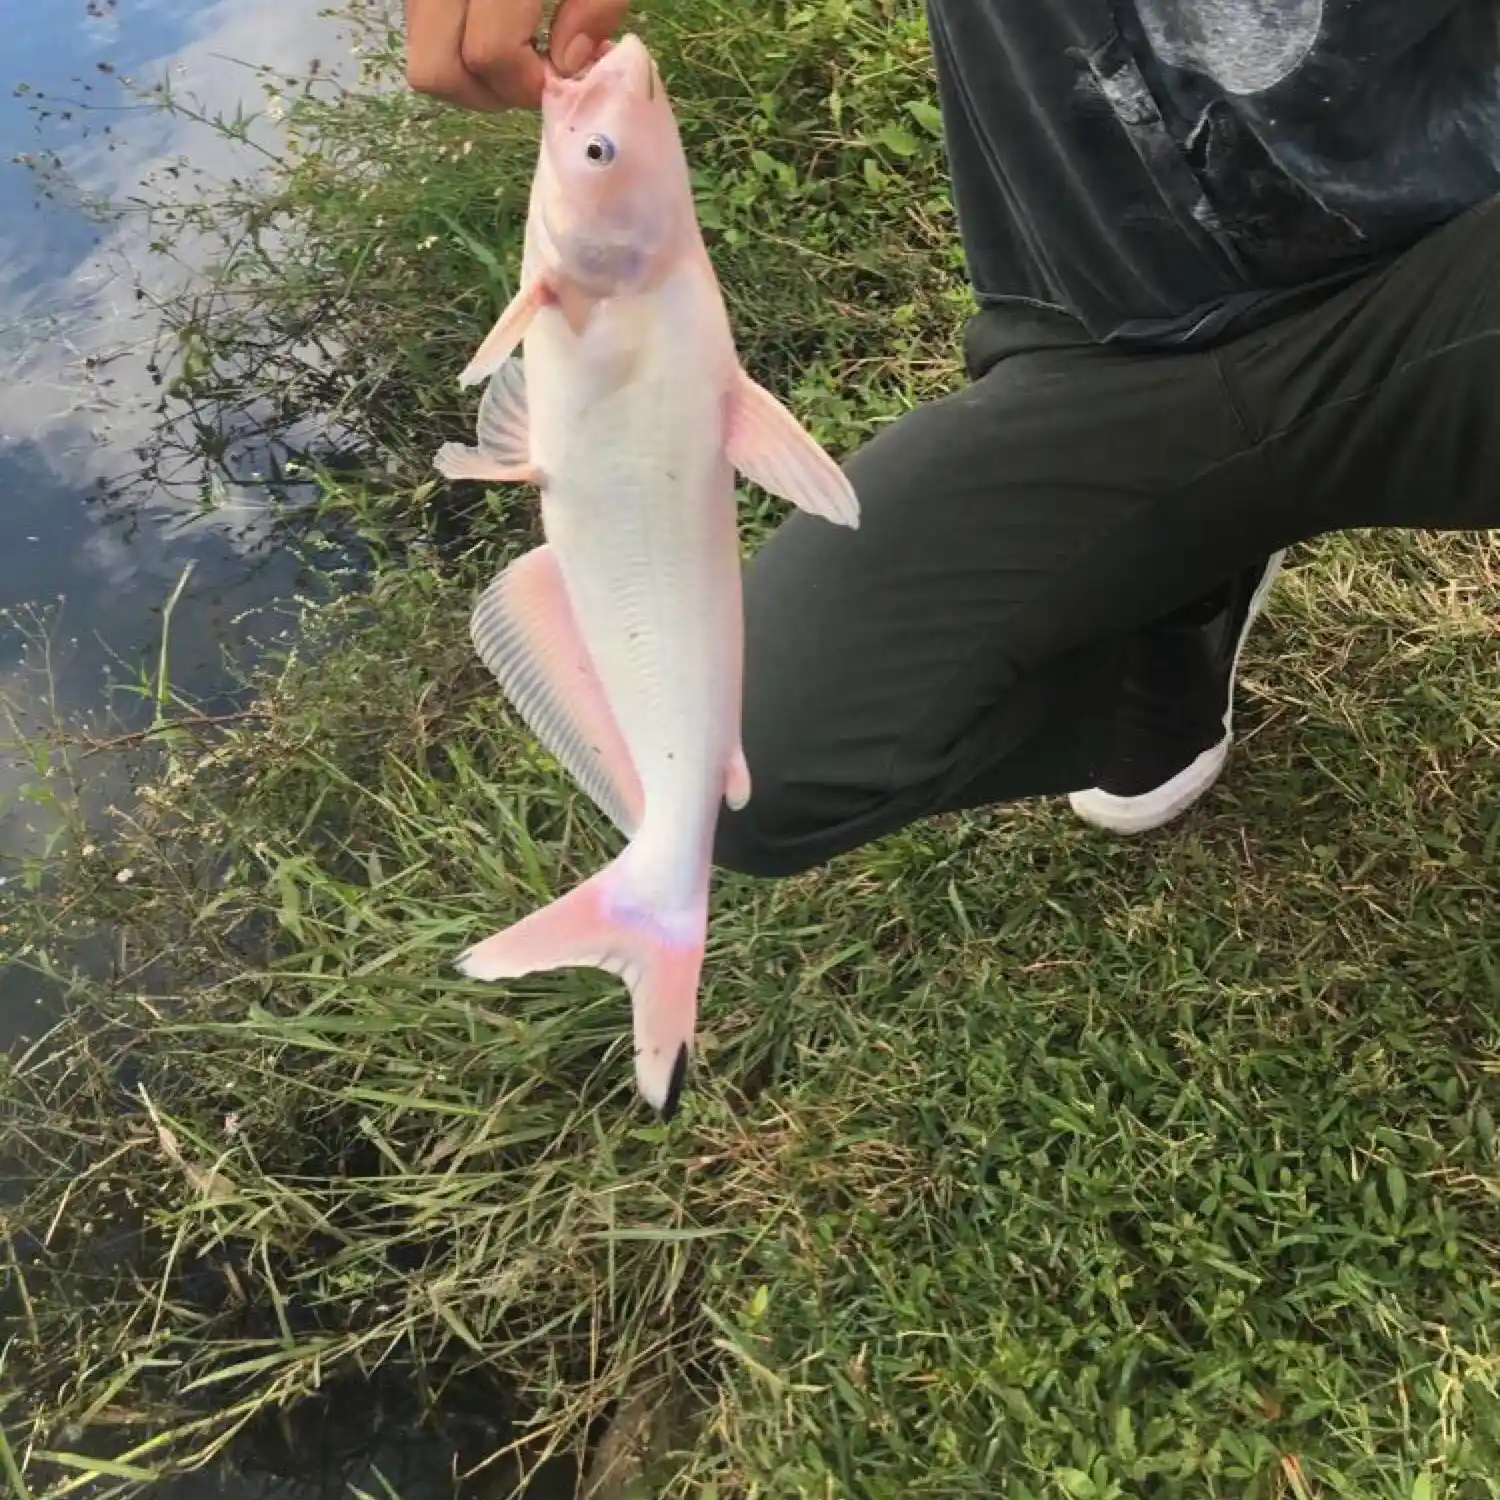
column 963, row 647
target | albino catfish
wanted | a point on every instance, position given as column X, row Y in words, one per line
column 620, row 640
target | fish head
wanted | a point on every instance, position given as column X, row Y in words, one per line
column 614, row 192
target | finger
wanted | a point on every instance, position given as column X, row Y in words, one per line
column 434, row 54
column 579, row 27
column 498, row 50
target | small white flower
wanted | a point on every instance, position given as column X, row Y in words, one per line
column 124, row 876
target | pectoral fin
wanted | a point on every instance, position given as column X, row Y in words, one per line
column 771, row 448
column 500, row 343
column 504, row 452
column 524, row 631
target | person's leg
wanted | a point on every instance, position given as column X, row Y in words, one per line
column 996, row 631
column 1382, row 406
column 965, row 645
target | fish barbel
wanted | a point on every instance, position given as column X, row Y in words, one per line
column 620, row 640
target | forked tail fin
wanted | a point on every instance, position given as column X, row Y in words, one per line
column 597, row 925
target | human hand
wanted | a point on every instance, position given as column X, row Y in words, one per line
column 480, row 54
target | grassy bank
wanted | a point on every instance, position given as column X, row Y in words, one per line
column 1017, row 1161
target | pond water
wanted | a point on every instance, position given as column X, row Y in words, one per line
column 76, row 395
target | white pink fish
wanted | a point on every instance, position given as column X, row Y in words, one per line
column 620, row 640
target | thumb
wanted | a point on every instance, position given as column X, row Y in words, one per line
column 578, row 28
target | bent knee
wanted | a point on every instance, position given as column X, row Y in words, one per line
column 787, row 830
column 757, row 841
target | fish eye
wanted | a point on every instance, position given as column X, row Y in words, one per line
column 600, row 150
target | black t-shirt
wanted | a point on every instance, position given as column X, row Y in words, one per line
column 1169, row 170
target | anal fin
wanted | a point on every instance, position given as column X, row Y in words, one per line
column 524, row 631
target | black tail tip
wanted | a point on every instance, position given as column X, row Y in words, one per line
column 671, row 1104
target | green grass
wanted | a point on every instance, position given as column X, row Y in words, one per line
column 1017, row 1161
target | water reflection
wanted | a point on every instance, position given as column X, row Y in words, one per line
column 77, row 399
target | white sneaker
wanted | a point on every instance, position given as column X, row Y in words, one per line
column 1176, row 717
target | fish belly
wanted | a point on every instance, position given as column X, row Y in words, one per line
column 638, row 504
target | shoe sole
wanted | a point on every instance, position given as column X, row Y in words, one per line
column 1162, row 804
